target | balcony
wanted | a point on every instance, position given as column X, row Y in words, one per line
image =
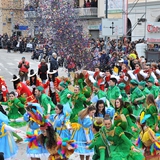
column 31, row 14
column 87, row 12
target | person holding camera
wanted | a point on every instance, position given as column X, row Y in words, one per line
column 23, row 69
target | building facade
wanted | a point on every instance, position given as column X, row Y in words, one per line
column 11, row 14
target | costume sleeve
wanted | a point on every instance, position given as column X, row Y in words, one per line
column 80, row 83
column 46, row 84
column 26, row 117
column 102, row 152
column 19, row 88
column 121, row 134
column 18, row 104
column 117, row 93
column 92, row 144
column 4, row 103
column 9, row 128
column 19, row 65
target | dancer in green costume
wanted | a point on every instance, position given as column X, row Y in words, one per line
column 113, row 91
column 78, row 100
column 143, row 88
column 120, row 146
column 45, row 101
column 152, row 87
column 151, row 109
column 121, row 109
column 13, row 114
column 136, row 97
column 123, row 92
column 99, row 142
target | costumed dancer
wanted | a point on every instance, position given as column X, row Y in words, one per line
column 121, row 109
column 3, row 89
column 137, row 97
column 99, row 143
column 59, row 149
column 78, row 101
column 143, row 88
column 151, row 108
column 147, row 139
column 82, row 133
column 53, row 83
column 113, row 91
column 13, row 114
column 152, row 87
column 34, row 117
column 98, row 76
column 34, row 81
column 8, row 145
column 101, row 110
column 24, row 93
column 139, row 73
column 65, row 97
column 123, row 92
column 61, row 122
column 120, row 145
column 45, row 101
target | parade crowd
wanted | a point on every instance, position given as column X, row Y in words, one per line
column 110, row 112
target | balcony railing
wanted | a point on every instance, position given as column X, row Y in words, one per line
column 31, row 14
column 87, row 12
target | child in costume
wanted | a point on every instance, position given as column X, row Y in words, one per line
column 8, row 145
column 34, row 116
column 59, row 149
column 147, row 139
column 82, row 133
column 61, row 122
column 3, row 89
column 13, row 113
column 99, row 143
column 121, row 148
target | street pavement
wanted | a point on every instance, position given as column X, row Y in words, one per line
column 8, row 67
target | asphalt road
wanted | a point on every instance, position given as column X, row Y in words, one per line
column 8, row 67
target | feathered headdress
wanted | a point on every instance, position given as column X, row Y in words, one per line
column 144, row 117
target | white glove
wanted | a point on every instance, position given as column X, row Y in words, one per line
column 16, row 94
column 125, row 78
column 3, row 88
column 33, row 86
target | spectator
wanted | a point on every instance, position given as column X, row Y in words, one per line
column 88, row 4
column 42, row 70
column 54, row 63
column 23, row 69
column 9, row 46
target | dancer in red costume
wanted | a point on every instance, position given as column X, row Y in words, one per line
column 24, row 93
column 3, row 89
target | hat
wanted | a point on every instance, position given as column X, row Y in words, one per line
column 23, row 57
column 134, row 82
column 121, row 85
column 15, row 78
column 40, row 88
column 151, row 80
column 51, row 71
column 32, row 73
column 142, row 83
column 63, row 84
column 96, row 85
column 121, row 60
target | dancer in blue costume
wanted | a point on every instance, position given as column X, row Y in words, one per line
column 61, row 122
column 8, row 145
column 82, row 133
column 101, row 110
column 34, row 152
